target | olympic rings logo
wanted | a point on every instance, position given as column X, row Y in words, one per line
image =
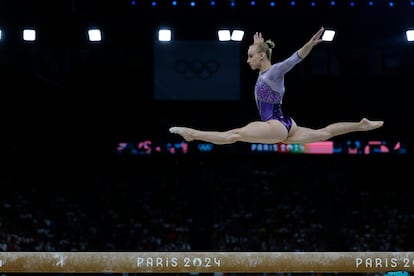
column 196, row 69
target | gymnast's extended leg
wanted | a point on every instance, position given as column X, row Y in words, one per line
column 307, row 135
column 268, row 132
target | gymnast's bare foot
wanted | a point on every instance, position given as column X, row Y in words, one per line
column 183, row 131
column 370, row 125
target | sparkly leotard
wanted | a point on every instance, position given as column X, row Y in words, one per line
column 270, row 88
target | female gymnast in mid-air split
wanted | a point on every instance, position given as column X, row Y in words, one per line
column 275, row 126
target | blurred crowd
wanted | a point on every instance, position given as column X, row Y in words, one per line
column 228, row 205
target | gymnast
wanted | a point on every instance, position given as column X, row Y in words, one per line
column 275, row 126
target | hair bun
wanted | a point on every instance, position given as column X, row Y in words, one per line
column 270, row 43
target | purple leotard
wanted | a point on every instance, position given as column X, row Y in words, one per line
column 270, row 88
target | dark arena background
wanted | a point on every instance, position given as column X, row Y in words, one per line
column 88, row 163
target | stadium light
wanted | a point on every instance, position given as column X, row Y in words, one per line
column 94, row 34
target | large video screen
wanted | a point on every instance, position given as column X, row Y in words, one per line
column 197, row 70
